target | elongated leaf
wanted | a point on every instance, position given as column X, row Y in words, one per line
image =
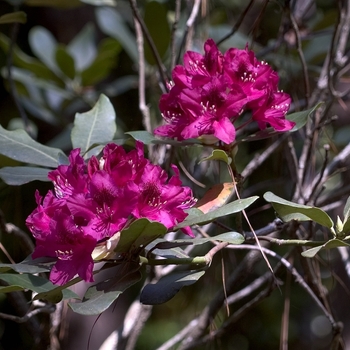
column 218, row 154
column 43, row 44
column 140, row 233
column 95, row 126
column 346, row 211
column 65, row 62
column 112, row 24
column 333, row 243
column 215, row 197
column 292, row 211
column 54, row 3
column 100, row 2
column 168, row 286
column 82, row 48
column 23, row 268
column 35, row 283
column 227, row 209
column 20, row 175
column 19, row 146
column 14, row 17
column 156, row 21
column 300, row 118
column 99, row 298
column 29, row 63
column 166, row 248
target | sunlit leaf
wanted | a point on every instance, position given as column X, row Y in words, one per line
column 95, row 126
column 140, row 233
column 300, row 118
column 36, row 284
column 218, row 154
column 20, row 175
column 100, row 2
column 19, row 146
column 226, row 209
column 292, row 211
column 168, row 286
column 333, row 243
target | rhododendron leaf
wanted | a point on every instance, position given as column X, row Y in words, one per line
column 20, row 175
column 292, row 211
column 168, row 286
column 346, row 211
column 215, row 197
column 160, row 246
column 300, row 118
column 227, row 209
column 156, row 21
column 333, row 243
column 20, row 146
column 14, row 17
column 100, row 2
column 23, row 268
column 95, row 126
column 99, row 298
column 218, row 154
column 37, row 284
column 113, row 24
column 65, row 61
column 144, row 136
column 140, row 233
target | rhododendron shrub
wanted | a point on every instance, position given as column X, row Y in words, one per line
column 93, row 201
column 211, row 92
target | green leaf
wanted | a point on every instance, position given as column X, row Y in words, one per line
column 140, row 233
column 23, row 268
column 158, row 27
column 65, row 62
column 22, row 60
column 143, row 136
column 19, row 146
column 83, row 49
column 43, row 45
column 14, row 17
column 300, row 118
column 333, row 243
column 346, row 211
column 217, row 154
column 99, row 298
column 100, row 2
column 168, row 286
column 20, row 175
column 161, row 246
column 36, row 284
column 292, row 211
column 227, row 209
column 112, row 24
column 95, row 126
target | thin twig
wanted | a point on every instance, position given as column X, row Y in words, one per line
column 161, row 68
column 48, row 309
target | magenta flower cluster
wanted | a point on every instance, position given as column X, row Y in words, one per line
column 91, row 202
column 209, row 93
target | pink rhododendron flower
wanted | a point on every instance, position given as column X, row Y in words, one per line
column 210, row 92
column 93, row 201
